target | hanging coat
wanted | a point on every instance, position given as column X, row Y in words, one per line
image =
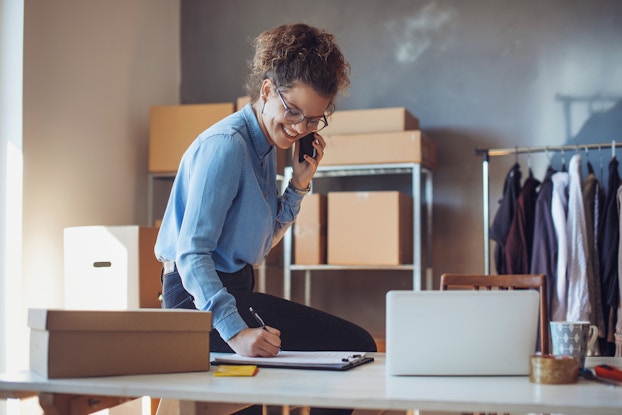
column 608, row 247
column 618, row 333
column 520, row 237
column 593, row 198
column 503, row 218
column 544, row 247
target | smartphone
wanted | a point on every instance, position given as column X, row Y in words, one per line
column 306, row 147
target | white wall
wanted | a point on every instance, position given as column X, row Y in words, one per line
column 92, row 70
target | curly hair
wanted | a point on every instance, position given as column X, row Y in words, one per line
column 299, row 53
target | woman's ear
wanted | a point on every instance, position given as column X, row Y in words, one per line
column 266, row 89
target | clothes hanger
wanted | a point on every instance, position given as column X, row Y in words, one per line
column 600, row 156
column 577, row 153
column 548, row 156
column 529, row 164
column 563, row 159
column 590, row 168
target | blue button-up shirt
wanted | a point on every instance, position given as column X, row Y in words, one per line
column 224, row 212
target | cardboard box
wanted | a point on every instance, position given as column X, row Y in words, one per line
column 111, row 268
column 172, row 128
column 275, row 256
column 370, row 228
column 377, row 120
column 72, row 343
column 242, row 101
column 310, row 231
column 375, row 148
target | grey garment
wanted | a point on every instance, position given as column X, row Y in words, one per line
column 544, row 248
column 608, row 243
column 592, row 191
column 503, row 218
column 559, row 206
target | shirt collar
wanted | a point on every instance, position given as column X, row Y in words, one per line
column 260, row 142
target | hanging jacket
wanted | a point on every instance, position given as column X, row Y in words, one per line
column 544, row 247
column 505, row 213
column 519, row 242
column 593, row 198
column 608, row 247
column 618, row 333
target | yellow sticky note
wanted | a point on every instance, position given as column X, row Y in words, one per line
column 236, row 370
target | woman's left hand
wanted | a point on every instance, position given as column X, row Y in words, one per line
column 305, row 170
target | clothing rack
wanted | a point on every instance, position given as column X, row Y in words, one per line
column 487, row 153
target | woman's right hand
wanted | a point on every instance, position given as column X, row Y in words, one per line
column 256, row 342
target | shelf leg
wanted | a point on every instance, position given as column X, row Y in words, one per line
column 416, row 192
column 308, row 288
column 429, row 203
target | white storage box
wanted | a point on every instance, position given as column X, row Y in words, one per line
column 111, row 268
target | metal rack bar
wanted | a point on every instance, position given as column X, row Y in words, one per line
column 487, row 153
column 417, row 172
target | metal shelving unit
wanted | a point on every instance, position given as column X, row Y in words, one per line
column 421, row 267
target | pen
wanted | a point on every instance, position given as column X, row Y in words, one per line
column 259, row 320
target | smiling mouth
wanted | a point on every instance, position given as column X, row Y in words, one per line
column 289, row 133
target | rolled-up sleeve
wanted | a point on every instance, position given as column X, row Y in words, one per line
column 289, row 207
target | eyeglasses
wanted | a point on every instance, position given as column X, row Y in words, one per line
column 313, row 124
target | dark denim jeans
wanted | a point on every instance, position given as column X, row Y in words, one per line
column 302, row 327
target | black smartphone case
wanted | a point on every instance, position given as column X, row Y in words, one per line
column 306, row 147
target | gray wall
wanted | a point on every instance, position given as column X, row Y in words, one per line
column 477, row 73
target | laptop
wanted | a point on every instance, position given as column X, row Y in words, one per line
column 461, row 333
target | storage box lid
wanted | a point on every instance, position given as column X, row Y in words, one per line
column 116, row 320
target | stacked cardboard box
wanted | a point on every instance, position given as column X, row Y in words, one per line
column 310, row 231
column 111, row 268
column 73, row 343
column 365, row 228
column 375, row 120
column 172, row 128
column 370, row 228
column 376, row 136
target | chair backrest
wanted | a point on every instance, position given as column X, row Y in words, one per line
column 506, row 282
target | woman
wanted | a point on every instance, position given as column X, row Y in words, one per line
column 225, row 213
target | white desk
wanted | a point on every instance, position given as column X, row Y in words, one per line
column 365, row 387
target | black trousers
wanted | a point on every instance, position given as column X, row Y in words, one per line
column 302, row 327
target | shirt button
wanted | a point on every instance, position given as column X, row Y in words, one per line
column 265, row 195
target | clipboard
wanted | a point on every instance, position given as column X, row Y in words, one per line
column 324, row 360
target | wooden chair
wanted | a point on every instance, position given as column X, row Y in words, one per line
column 506, row 282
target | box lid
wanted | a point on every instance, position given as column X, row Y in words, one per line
column 117, row 320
